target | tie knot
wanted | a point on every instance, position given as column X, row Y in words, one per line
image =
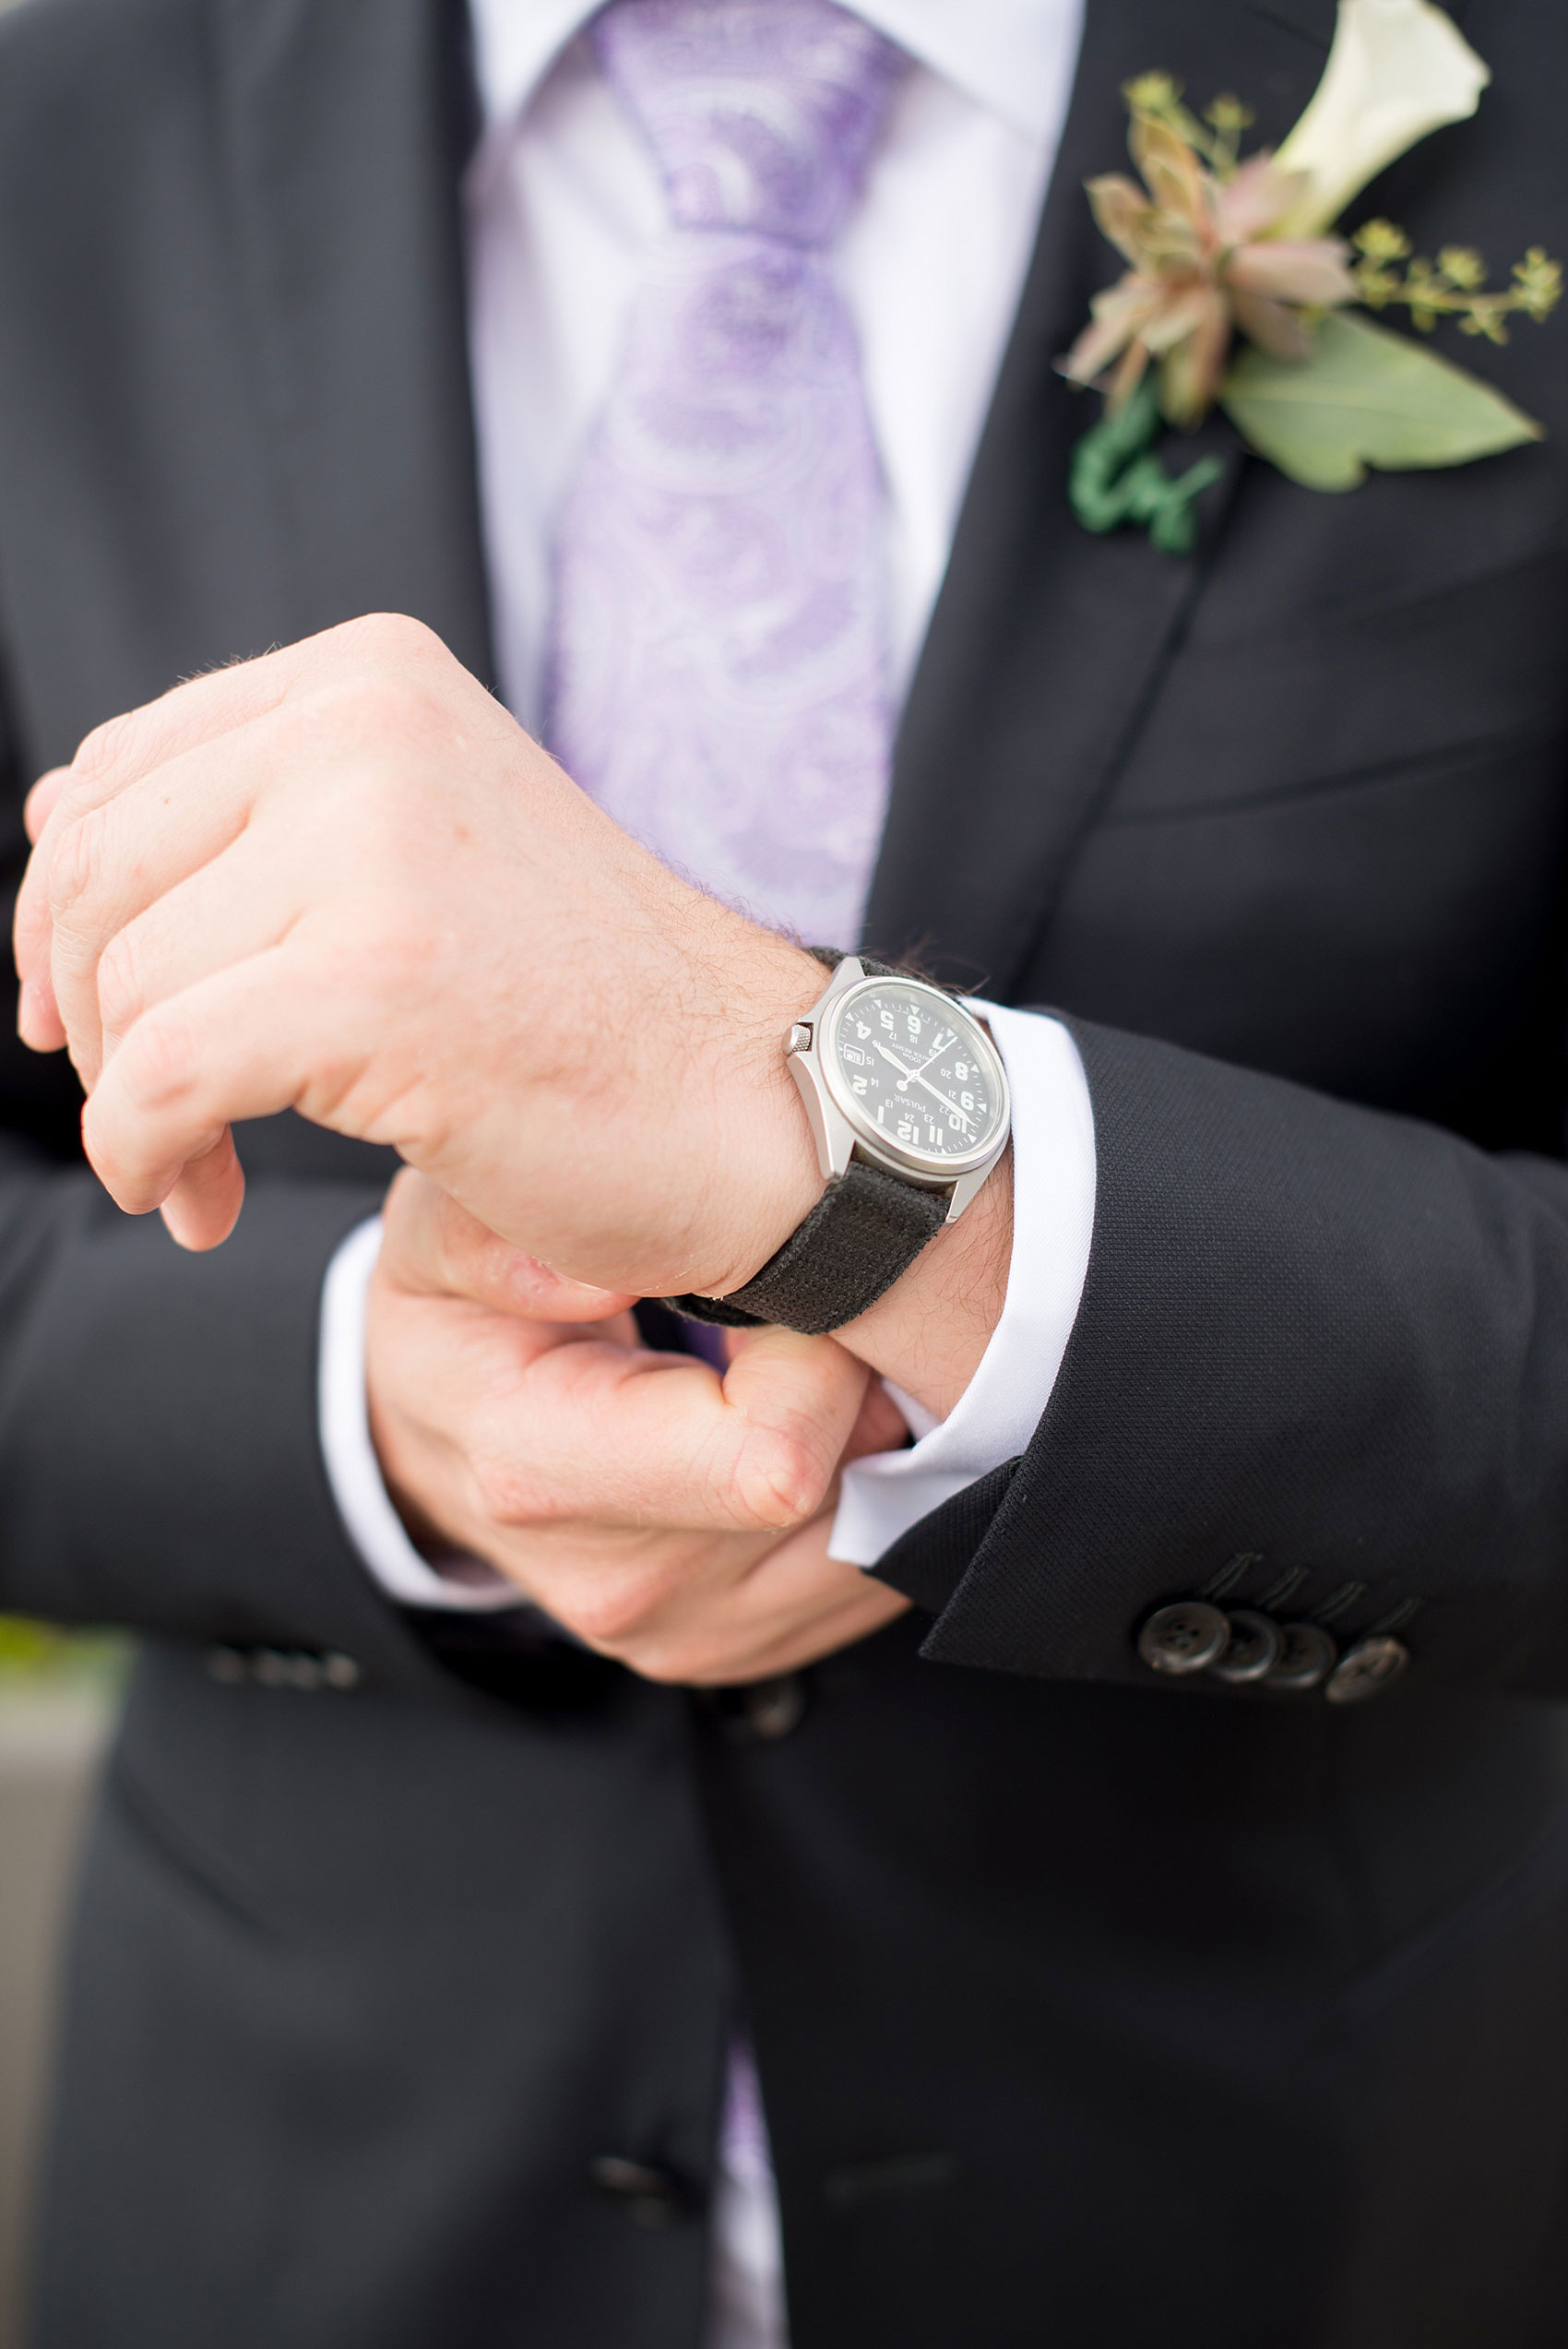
column 761, row 114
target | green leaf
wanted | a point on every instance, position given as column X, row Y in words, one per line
column 1366, row 397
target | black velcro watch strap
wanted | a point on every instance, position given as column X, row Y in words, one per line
column 866, row 1229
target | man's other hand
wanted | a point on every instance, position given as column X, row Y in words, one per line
column 670, row 1519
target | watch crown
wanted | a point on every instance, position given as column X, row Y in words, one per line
column 800, row 1037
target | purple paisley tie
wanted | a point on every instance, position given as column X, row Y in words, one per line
column 716, row 674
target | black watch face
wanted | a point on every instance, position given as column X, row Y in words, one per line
column 918, row 1072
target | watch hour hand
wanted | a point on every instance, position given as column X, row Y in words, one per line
column 908, row 1075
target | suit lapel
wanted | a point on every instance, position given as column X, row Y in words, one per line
column 342, row 121
column 1047, row 646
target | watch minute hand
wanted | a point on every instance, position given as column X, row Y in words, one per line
column 947, row 1104
column 948, row 1037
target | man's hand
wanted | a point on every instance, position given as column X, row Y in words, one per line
column 341, row 878
column 674, row 1521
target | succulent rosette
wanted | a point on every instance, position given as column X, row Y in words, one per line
column 1205, row 262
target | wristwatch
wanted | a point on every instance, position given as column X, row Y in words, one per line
column 907, row 1103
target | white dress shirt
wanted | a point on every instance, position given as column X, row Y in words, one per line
column 564, row 209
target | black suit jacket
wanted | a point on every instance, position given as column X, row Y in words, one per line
column 1090, row 2011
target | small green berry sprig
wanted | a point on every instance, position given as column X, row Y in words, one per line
column 1453, row 286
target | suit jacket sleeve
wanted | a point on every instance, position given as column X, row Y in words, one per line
column 1323, row 1343
column 159, row 1464
column 159, row 1458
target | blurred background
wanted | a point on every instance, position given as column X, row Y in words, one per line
column 57, row 1700
column 58, row 1695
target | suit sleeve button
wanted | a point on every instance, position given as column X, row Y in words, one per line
column 1366, row 1670
column 774, row 1709
column 1185, row 1638
column 1250, row 1652
column 1307, row 1655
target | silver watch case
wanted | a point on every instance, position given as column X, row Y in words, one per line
column 840, row 1128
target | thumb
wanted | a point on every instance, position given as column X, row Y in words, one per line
column 796, row 1399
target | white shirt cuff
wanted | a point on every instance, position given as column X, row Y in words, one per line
column 353, row 1470
column 1053, row 1185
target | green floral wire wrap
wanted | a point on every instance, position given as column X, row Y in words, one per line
column 1116, row 479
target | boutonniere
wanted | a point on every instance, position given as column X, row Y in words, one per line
column 1236, row 297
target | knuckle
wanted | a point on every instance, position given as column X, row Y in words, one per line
column 359, row 701
column 158, row 1064
column 381, row 714
column 115, row 745
column 390, row 637
column 781, row 1481
column 415, row 711
column 75, row 864
column 507, row 1492
column 120, row 986
column 613, row 1612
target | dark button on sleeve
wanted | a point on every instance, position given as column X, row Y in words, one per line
column 295, row 1668
column 1366, row 1670
column 1251, row 1651
column 1185, row 1638
column 1307, row 1655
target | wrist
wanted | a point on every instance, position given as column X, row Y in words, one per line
column 761, row 1179
column 930, row 1326
column 928, row 1332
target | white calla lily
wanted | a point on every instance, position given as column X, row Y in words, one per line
column 1397, row 69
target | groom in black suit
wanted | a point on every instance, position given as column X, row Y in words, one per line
column 1088, row 2005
